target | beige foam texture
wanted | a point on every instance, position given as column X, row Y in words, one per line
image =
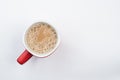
column 41, row 38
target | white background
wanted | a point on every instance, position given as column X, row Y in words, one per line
column 90, row 33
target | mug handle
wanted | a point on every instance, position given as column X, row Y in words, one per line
column 25, row 56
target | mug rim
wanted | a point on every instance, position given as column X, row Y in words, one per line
column 42, row 55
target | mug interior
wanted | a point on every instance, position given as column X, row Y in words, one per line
column 36, row 53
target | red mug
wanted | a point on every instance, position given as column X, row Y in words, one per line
column 28, row 53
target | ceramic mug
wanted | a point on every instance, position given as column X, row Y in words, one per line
column 27, row 54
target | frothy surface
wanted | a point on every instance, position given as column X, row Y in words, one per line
column 41, row 38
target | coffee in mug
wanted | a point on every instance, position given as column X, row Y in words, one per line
column 41, row 40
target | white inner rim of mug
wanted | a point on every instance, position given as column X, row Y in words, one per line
column 40, row 54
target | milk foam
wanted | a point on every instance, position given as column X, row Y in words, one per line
column 41, row 38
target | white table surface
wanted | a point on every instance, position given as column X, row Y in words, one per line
column 90, row 33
